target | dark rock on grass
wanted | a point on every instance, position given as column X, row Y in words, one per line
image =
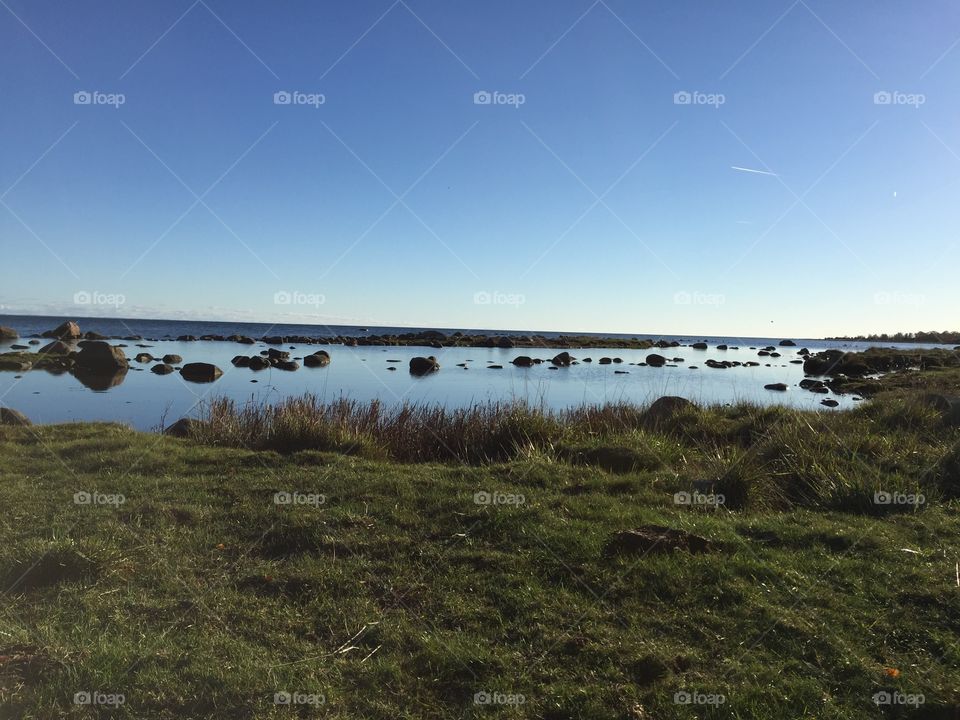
column 654, row 360
column 664, row 409
column 9, row 416
column 57, row 347
column 787, row 343
column 185, row 427
column 523, row 361
column 172, row 359
column 200, row 372
column 613, row 459
column 143, row 357
column 655, row 539
column 68, row 330
column 100, row 356
column 562, row 359
column 162, row 369
column 49, row 569
column 779, row 387
column 423, row 365
column 8, row 333
column 948, row 407
column 699, row 346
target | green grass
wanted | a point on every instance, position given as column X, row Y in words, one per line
column 399, row 596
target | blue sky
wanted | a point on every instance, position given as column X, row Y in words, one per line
column 587, row 195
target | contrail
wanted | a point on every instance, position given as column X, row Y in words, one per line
column 751, row 170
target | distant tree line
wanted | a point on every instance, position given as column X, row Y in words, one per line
column 945, row 337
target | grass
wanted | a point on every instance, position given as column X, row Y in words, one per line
column 394, row 589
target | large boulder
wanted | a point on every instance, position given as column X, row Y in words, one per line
column 699, row 346
column 8, row 333
column 9, row 416
column 102, row 357
column 68, row 330
column 172, row 359
column 562, row 360
column 423, row 365
column 523, row 361
column 200, row 372
column 787, row 343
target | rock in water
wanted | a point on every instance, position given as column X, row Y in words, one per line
column 7, row 333
column 562, row 360
column 100, row 356
column 654, row 360
column 423, row 365
column 57, row 347
column 68, row 330
column 779, row 387
column 200, row 372
column 162, row 369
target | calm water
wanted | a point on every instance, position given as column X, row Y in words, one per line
column 145, row 400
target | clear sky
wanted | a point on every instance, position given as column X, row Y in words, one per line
column 776, row 194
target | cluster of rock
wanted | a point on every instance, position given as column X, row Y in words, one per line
column 280, row 359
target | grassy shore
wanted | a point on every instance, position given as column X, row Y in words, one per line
column 429, row 560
